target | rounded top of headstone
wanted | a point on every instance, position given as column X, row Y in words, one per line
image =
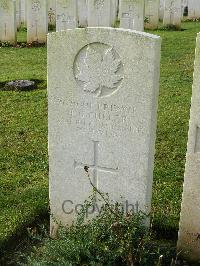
column 20, row 85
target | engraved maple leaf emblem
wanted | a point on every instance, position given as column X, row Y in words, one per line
column 99, row 71
column 4, row 4
column 36, row 5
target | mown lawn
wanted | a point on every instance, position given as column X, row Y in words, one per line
column 23, row 133
column 178, row 51
column 23, row 141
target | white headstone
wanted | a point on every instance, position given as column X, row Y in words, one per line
column 23, row 12
column 189, row 231
column 18, row 13
column 37, row 21
column 152, row 13
column 82, row 13
column 193, row 9
column 52, row 12
column 8, row 21
column 99, row 13
column 66, row 14
column 114, row 10
column 132, row 14
column 161, row 11
column 102, row 116
column 172, row 13
column 120, row 9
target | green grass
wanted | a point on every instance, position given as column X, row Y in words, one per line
column 23, row 141
column 178, row 51
column 21, row 35
column 23, row 133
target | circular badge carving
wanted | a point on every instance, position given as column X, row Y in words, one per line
column 98, row 69
column 36, row 5
column 4, row 5
column 99, row 4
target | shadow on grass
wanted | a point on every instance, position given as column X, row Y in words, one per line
column 41, row 84
column 165, row 233
column 18, row 247
column 171, row 29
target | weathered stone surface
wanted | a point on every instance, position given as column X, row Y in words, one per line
column 152, row 13
column 102, row 93
column 172, row 13
column 18, row 13
column 114, row 10
column 193, row 9
column 99, row 13
column 161, row 11
column 82, row 13
column 37, row 21
column 66, row 14
column 120, row 9
column 8, row 28
column 20, row 85
column 189, row 231
column 23, row 12
column 132, row 14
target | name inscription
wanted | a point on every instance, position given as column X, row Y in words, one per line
column 101, row 118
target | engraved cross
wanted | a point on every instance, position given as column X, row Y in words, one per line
column 95, row 166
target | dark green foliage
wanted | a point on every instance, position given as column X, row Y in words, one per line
column 5, row 44
column 51, row 27
column 112, row 238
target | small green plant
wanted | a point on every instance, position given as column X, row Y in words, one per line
column 51, row 27
column 23, row 45
column 116, row 23
column 111, row 238
column 5, row 44
column 146, row 20
column 23, row 28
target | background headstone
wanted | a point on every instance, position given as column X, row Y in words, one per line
column 172, row 13
column 161, row 11
column 193, row 9
column 82, row 13
column 114, row 10
column 66, row 14
column 8, row 21
column 152, row 13
column 132, row 14
column 120, row 9
column 189, row 231
column 37, row 21
column 102, row 116
column 99, row 13
column 18, row 13
column 23, row 12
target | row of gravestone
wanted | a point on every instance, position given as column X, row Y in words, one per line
column 68, row 14
column 102, row 100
